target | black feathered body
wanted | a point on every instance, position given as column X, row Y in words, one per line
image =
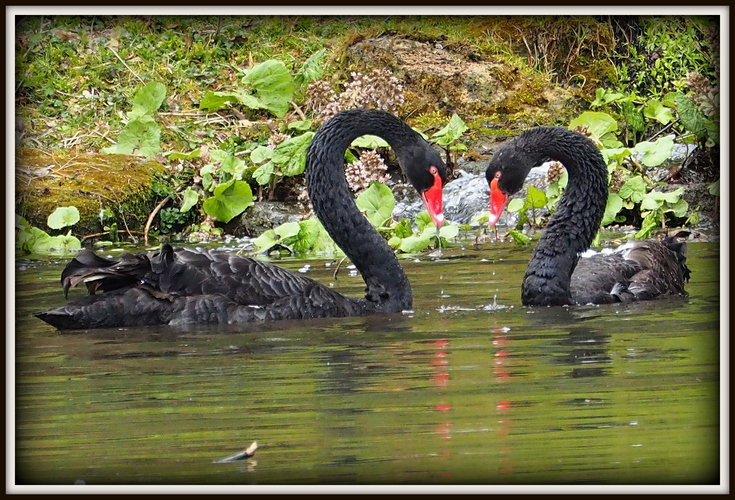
column 556, row 274
column 640, row 270
column 186, row 286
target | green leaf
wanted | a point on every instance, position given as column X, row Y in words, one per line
column 516, row 205
column 350, row 158
column 266, row 240
column 230, row 200
column 395, row 242
column 287, row 229
column 370, row 142
column 691, row 116
column 669, row 99
column 596, row 122
column 377, row 202
column 324, row 245
column 451, row 132
column 62, row 217
column 213, row 101
column 301, row 126
column 668, row 197
column 28, row 236
column 535, row 197
column 140, row 135
column 634, row 189
column 416, row 243
column 655, row 153
column 306, row 236
column 449, row 231
column 185, row 156
column 191, row 198
column 62, row 244
column 612, row 208
column 290, row 155
column 148, row 99
column 423, row 220
column 208, row 182
column 633, row 116
column 679, row 208
column 714, row 188
column 312, row 69
column 403, row 229
column 616, row 154
column 264, row 173
column 603, row 97
column 519, row 237
column 651, row 203
column 273, row 85
column 649, row 224
column 655, row 110
column 230, row 164
column 693, row 219
column 261, row 154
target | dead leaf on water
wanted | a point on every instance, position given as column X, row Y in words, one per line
column 240, row 455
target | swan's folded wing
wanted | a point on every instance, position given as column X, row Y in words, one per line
column 243, row 280
column 98, row 273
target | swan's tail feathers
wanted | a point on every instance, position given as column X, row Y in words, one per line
column 58, row 318
column 131, row 306
column 679, row 248
column 98, row 273
column 663, row 268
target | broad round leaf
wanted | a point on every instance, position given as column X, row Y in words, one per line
column 62, row 217
column 230, row 200
column 377, row 202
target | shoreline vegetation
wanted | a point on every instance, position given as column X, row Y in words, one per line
column 183, row 129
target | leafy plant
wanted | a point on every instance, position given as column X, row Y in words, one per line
column 267, row 85
column 377, row 202
column 534, row 200
column 32, row 240
column 287, row 159
column 230, row 199
column 142, row 134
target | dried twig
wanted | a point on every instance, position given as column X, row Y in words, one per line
column 96, row 235
column 151, row 216
column 126, row 65
column 336, row 270
column 298, row 111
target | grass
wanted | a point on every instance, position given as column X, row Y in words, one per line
column 76, row 76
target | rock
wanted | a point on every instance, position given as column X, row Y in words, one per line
column 448, row 77
column 262, row 216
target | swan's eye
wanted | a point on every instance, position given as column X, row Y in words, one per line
column 433, row 170
column 498, row 175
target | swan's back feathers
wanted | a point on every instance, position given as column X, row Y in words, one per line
column 641, row 270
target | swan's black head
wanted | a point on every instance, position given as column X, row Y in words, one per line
column 427, row 173
column 508, row 169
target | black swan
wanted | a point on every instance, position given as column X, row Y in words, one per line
column 556, row 275
column 186, row 286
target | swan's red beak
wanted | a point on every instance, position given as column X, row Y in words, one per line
column 432, row 199
column 498, row 199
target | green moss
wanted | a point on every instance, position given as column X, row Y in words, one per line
column 90, row 182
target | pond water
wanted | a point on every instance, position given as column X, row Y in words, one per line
column 469, row 389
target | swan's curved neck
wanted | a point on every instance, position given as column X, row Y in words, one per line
column 388, row 288
column 575, row 222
